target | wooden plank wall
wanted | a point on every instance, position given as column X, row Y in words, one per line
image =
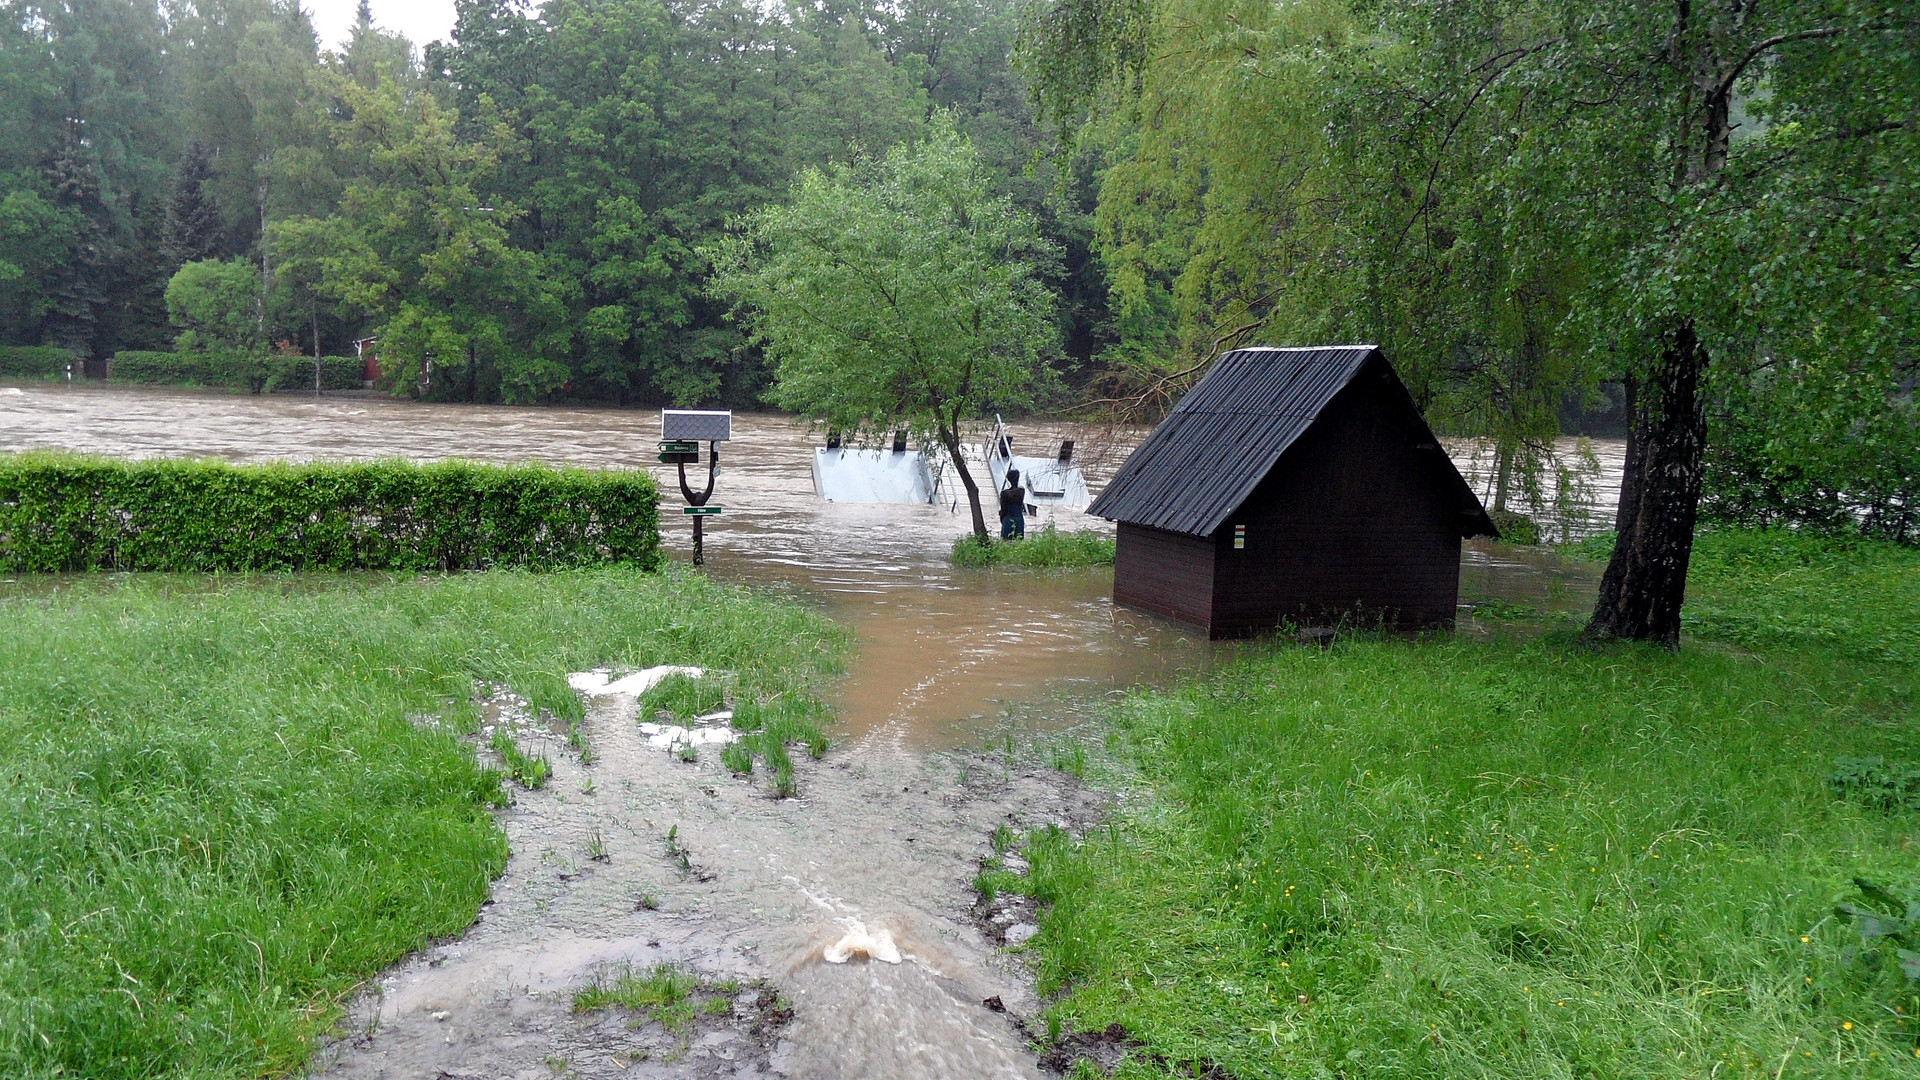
column 1165, row 573
column 1351, row 526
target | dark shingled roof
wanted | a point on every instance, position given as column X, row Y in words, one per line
column 1221, row 440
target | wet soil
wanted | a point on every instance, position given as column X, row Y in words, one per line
column 880, row 841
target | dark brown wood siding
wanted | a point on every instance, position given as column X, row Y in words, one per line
column 1166, row 573
column 1349, row 527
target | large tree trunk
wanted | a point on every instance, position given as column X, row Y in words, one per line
column 1646, row 581
column 951, row 438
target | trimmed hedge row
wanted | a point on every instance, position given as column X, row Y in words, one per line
column 296, row 373
column 34, row 361
column 182, row 368
column 61, row 512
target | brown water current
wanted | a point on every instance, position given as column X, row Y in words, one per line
column 945, row 653
column 888, row 831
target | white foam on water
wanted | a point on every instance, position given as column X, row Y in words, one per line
column 600, row 681
column 875, row 944
column 669, row 736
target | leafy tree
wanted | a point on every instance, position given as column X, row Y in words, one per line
column 218, row 307
column 637, row 128
column 460, row 311
column 898, row 291
column 36, row 239
column 1522, row 195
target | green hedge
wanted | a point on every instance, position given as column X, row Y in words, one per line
column 63, row 512
column 34, row 361
column 296, row 373
column 185, row 368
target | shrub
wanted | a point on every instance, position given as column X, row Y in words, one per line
column 238, row 370
column 63, row 512
column 296, row 373
column 34, row 361
column 1515, row 528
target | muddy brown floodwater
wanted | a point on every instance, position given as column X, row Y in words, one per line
column 947, row 655
column 890, row 827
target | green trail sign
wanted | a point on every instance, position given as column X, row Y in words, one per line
column 699, row 510
column 678, row 446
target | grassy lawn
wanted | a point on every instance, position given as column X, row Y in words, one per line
column 1046, row 548
column 226, row 803
column 1523, row 857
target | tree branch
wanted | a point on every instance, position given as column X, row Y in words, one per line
column 1726, row 84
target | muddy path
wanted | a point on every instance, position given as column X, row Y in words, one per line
column 880, row 848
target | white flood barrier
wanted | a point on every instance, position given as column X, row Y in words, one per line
column 855, row 475
column 1048, row 482
column 878, row 475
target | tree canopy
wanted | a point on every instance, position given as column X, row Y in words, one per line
column 898, row 293
column 521, row 207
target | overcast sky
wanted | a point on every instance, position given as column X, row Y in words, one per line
column 421, row 20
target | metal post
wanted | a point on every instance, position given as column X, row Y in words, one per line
column 686, row 491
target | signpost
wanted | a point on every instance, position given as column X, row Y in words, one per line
column 681, row 433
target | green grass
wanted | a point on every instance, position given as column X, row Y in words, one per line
column 229, row 801
column 673, row 996
column 1525, row 857
column 768, row 726
column 1046, row 549
column 528, row 772
column 684, row 697
column 666, row 993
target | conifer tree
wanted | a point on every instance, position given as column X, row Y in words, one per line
column 75, row 292
column 194, row 229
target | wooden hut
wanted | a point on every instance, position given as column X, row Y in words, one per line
column 1293, row 486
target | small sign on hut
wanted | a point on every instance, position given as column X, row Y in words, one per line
column 1293, row 486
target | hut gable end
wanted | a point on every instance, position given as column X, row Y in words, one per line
column 1293, row 486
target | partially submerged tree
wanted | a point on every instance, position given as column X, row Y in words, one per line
column 898, row 292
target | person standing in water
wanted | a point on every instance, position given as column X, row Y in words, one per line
column 1013, row 508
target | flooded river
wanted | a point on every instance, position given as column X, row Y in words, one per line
column 947, row 656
